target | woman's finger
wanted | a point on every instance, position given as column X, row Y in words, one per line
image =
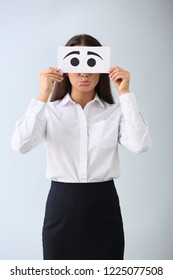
column 53, row 71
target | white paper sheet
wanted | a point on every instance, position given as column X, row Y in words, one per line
column 84, row 59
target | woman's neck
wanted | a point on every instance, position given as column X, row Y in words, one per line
column 82, row 98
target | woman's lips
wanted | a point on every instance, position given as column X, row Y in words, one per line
column 84, row 83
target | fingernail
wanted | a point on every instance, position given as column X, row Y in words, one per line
column 60, row 72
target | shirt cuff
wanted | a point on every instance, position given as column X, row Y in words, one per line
column 128, row 103
column 36, row 107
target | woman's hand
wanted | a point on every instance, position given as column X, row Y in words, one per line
column 120, row 78
column 47, row 79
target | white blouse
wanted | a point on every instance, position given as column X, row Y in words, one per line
column 82, row 144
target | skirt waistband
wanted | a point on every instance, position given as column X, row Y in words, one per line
column 88, row 187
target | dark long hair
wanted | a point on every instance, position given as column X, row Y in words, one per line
column 103, row 88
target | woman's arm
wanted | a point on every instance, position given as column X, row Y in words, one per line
column 133, row 128
column 30, row 130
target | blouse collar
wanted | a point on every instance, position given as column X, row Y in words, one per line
column 67, row 98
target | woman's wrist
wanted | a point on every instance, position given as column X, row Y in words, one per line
column 43, row 97
column 124, row 92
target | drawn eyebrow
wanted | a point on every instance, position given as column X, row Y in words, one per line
column 74, row 52
column 93, row 53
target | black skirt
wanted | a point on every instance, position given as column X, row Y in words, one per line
column 83, row 222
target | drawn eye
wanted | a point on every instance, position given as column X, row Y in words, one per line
column 91, row 62
column 74, row 61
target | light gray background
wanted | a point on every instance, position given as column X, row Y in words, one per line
column 140, row 35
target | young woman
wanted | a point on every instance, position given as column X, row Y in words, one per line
column 82, row 127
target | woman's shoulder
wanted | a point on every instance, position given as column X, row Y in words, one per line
column 114, row 106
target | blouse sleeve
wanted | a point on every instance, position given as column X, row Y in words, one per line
column 30, row 129
column 133, row 128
